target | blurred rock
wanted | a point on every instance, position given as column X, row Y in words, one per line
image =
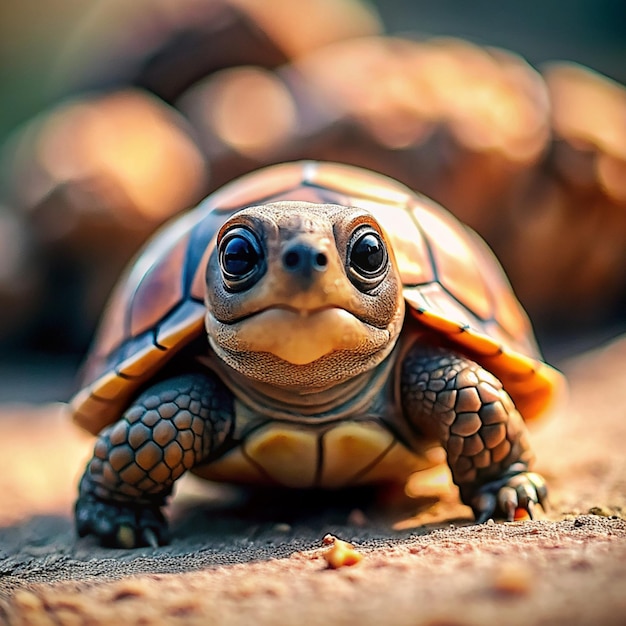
column 244, row 118
column 167, row 45
column 589, row 123
column 571, row 215
column 129, row 137
column 92, row 179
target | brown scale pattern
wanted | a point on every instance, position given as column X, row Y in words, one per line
column 463, row 406
column 171, row 427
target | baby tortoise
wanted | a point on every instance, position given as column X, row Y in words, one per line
column 309, row 325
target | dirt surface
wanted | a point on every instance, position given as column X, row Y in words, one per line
column 240, row 559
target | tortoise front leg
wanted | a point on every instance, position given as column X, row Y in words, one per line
column 170, row 428
column 455, row 401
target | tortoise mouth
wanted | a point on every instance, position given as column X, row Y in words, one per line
column 298, row 336
column 301, row 312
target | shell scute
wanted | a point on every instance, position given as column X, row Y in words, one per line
column 112, row 331
column 507, row 310
column 160, row 289
column 137, row 356
column 109, row 387
column 356, row 183
column 253, row 189
column 443, row 312
column 185, row 323
column 309, row 194
column 455, row 261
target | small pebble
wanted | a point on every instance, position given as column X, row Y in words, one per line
column 341, row 554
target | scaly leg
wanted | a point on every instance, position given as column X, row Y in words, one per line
column 455, row 401
column 172, row 426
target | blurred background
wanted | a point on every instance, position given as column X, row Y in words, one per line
column 116, row 116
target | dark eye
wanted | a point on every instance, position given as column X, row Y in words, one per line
column 241, row 257
column 368, row 255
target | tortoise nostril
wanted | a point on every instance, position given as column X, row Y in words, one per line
column 304, row 259
column 292, row 260
column 320, row 260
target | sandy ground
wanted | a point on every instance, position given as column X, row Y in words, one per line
column 260, row 560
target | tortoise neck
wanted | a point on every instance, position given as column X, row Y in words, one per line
column 322, row 404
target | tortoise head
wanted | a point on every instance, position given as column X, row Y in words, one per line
column 303, row 295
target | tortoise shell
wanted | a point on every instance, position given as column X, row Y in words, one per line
column 453, row 286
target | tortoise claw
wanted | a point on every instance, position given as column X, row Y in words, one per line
column 516, row 489
column 120, row 524
column 508, row 502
